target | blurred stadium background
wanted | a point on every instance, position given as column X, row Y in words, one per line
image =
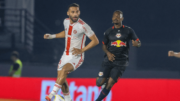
column 151, row 75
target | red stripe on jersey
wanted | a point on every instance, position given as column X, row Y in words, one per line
column 112, row 27
column 123, row 26
column 69, row 40
column 81, row 22
column 82, row 41
column 81, row 60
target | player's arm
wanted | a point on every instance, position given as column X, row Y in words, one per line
column 135, row 40
column 92, row 37
column 109, row 54
column 94, row 42
column 15, row 68
column 52, row 36
column 111, row 57
column 175, row 54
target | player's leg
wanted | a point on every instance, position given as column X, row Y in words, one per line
column 62, row 74
column 114, row 75
column 100, row 81
column 103, row 73
column 65, row 90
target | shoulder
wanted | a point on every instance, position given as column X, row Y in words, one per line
column 109, row 30
column 83, row 24
column 127, row 27
column 80, row 21
column 66, row 20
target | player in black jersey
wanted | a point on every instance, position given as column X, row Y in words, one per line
column 116, row 46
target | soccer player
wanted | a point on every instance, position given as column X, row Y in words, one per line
column 116, row 48
column 75, row 34
column 175, row 54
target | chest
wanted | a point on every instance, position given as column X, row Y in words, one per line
column 119, row 34
column 75, row 31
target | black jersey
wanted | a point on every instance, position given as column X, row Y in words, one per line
column 117, row 41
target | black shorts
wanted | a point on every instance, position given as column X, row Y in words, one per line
column 112, row 69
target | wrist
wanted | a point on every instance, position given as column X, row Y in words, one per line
column 107, row 52
column 175, row 53
column 52, row 36
column 83, row 50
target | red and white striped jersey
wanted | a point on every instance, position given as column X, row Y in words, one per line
column 76, row 35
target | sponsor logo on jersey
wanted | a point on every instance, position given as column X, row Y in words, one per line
column 118, row 43
column 75, row 31
column 100, row 73
column 118, row 35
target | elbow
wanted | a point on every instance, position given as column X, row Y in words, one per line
column 97, row 42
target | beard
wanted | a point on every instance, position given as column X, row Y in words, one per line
column 116, row 22
column 73, row 19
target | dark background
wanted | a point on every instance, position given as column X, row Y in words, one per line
column 156, row 23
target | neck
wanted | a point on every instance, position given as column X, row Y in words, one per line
column 71, row 21
column 118, row 25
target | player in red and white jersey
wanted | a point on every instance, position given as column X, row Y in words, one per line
column 75, row 34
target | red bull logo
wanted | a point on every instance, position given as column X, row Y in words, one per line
column 118, row 43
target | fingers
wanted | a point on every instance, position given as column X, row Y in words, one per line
column 46, row 36
column 113, row 55
column 75, row 51
column 170, row 53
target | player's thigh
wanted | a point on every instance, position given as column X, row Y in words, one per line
column 105, row 70
column 68, row 67
column 100, row 81
column 103, row 74
column 117, row 72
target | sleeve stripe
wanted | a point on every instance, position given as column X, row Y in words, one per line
column 137, row 39
column 102, row 42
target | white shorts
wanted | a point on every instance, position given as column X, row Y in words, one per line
column 76, row 61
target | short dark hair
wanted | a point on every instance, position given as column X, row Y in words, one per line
column 118, row 11
column 73, row 5
column 15, row 54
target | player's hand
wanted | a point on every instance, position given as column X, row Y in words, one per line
column 76, row 51
column 49, row 36
column 135, row 43
column 111, row 56
column 170, row 53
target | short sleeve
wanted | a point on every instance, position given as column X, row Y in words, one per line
column 133, row 35
column 15, row 67
column 105, row 39
column 87, row 30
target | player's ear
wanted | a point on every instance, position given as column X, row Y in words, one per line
column 122, row 18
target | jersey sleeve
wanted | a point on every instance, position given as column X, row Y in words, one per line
column 15, row 67
column 87, row 30
column 133, row 35
column 105, row 39
column 64, row 23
